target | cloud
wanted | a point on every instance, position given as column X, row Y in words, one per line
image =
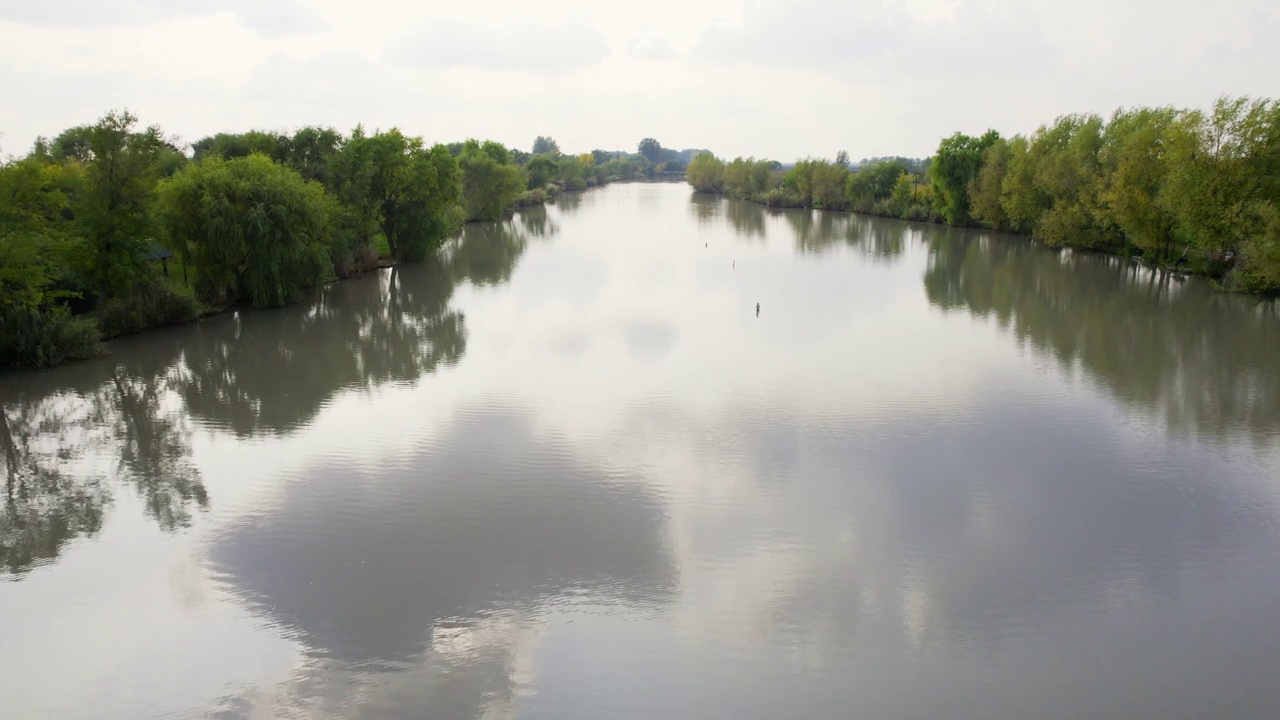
column 40, row 103
column 280, row 18
column 977, row 40
column 806, row 34
column 330, row 77
column 521, row 46
column 651, row 48
column 272, row 18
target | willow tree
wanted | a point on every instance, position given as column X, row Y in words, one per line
column 490, row 183
column 113, row 208
column 706, row 173
column 956, row 164
column 251, row 229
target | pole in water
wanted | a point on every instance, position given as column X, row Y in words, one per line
column 757, row 309
column 735, row 264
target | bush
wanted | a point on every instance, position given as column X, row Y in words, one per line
column 781, row 198
column 575, row 183
column 916, row 212
column 885, row 208
column 1258, row 269
column 155, row 303
column 38, row 338
column 532, row 197
column 706, row 173
column 454, row 218
column 366, row 257
column 352, row 261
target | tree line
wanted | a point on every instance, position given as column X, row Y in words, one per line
column 113, row 228
column 1181, row 187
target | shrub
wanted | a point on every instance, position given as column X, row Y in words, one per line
column 916, row 212
column 781, row 198
column 1258, row 269
column 532, row 197
column 154, row 303
column 885, row 208
column 45, row 337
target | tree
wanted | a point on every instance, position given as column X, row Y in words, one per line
column 72, row 144
column 904, row 193
column 544, row 145
column 829, row 186
column 985, row 188
column 1068, row 176
column 706, row 173
column 651, row 149
column 542, row 169
column 489, row 184
column 36, row 249
column 390, row 182
column 570, row 173
column 311, row 152
column 114, row 212
column 956, row 164
column 819, row 183
column 842, row 159
column 1222, row 165
column 747, row 178
column 1135, row 164
column 251, row 229
column 875, row 180
column 236, row 145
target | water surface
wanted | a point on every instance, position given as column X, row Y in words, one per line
column 564, row 470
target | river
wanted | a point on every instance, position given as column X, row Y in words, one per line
column 567, row 470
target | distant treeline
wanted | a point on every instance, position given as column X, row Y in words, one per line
column 111, row 228
column 1171, row 186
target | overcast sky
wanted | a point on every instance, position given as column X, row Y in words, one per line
column 775, row 79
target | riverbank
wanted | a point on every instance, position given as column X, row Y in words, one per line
column 1194, row 267
column 382, row 262
column 1186, row 188
column 254, row 217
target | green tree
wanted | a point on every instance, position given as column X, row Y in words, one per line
column 1223, row 165
column 986, row 186
column 490, row 184
column 570, row 173
column 541, row 169
column 875, row 180
column 819, row 183
column 706, row 173
column 1020, row 198
column 114, row 209
column 414, row 188
column 650, row 149
column 545, row 145
column 236, row 145
column 72, row 144
column 36, row 249
column 1135, row 165
column 251, row 229
column 956, row 164
column 311, row 151
column 748, row 178
column 1069, row 176
column 390, row 182
column 903, row 195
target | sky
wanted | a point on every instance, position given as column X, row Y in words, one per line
column 739, row 77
